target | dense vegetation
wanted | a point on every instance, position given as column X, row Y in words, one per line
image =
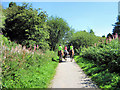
column 29, row 35
column 102, row 63
column 28, row 26
column 99, row 74
column 116, row 28
column 25, row 25
column 82, row 39
column 27, row 61
column 23, row 68
column 107, row 55
column 58, row 29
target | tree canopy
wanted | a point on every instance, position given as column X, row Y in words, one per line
column 116, row 28
column 83, row 39
column 91, row 31
column 58, row 28
column 26, row 25
column 109, row 35
column 2, row 19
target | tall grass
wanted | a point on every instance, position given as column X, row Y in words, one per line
column 23, row 68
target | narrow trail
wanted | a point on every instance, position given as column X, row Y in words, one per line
column 70, row 75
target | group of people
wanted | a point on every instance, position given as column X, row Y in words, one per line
column 63, row 54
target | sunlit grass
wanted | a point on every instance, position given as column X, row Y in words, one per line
column 100, row 75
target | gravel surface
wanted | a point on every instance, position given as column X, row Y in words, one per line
column 70, row 75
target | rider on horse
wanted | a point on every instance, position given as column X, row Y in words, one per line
column 71, row 52
column 60, row 53
column 65, row 52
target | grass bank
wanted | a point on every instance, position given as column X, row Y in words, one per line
column 99, row 74
column 22, row 68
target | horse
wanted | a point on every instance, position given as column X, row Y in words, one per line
column 60, row 54
column 71, row 53
column 65, row 54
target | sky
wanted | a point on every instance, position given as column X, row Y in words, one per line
column 98, row 16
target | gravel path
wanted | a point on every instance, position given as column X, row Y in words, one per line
column 70, row 75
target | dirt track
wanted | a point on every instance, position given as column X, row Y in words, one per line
column 70, row 75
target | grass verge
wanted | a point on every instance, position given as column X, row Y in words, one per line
column 99, row 74
column 36, row 72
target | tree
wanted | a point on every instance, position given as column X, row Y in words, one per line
column 2, row 19
column 116, row 28
column 12, row 4
column 103, row 36
column 83, row 39
column 109, row 35
column 58, row 28
column 68, row 36
column 91, row 31
column 26, row 25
